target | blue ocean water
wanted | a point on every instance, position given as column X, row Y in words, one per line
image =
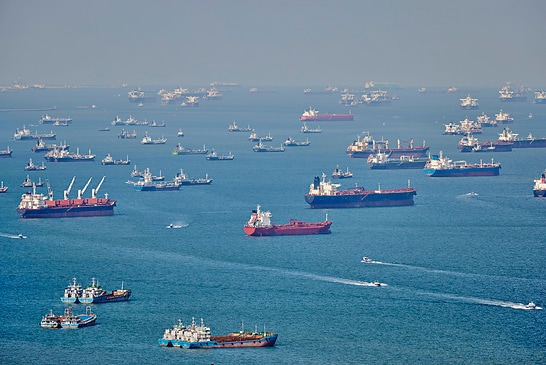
column 456, row 266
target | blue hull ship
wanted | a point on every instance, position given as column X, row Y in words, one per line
column 439, row 166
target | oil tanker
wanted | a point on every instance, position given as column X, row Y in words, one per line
column 367, row 145
column 312, row 115
column 260, row 224
column 37, row 205
column 325, row 194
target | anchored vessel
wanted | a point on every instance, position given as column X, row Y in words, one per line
column 260, row 224
column 72, row 293
column 539, row 190
column 440, row 166
column 94, row 293
column 383, row 161
column 312, row 114
column 363, row 148
column 198, row 336
column 527, row 142
column 35, row 205
column 325, row 194
column 63, row 155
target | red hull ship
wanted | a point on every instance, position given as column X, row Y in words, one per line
column 260, row 224
column 312, row 115
column 34, row 205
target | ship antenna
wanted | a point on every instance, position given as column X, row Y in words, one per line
column 408, row 183
column 379, row 187
column 326, row 217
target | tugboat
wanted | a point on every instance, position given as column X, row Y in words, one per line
column 324, row 194
column 539, row 190
column 196, row 336
column 260, row 224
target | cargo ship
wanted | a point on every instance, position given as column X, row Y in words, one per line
column 34, row 205
column 5, row 153
column 363, row 148
column 528, row 142
column 469, row 103
column 325, row 194
column 383, row 161
column 313, row 115
column 149, row 184
column 198, row 336
column 469, row 143
column 94, row 293
column 63, row 155
column 540, row 97
column 260, row 224
column 539, row 190
column 440, row 166
column 506, row 94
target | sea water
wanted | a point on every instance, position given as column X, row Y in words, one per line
column 457, row 267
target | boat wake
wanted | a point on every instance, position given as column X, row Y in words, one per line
column 491, row 302
column 331, row 279
column 17, row 236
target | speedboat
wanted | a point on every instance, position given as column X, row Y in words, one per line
column 366, row 259
column 531, row 305
column 377, row 283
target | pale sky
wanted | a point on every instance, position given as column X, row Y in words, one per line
column 279, row 43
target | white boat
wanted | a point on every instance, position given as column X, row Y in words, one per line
column 469, row 103
column 367, row 260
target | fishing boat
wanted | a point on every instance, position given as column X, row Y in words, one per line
column 5, row 153
column 235, row 128
column 291, row 142
column 340, row 174
column 260, row 147
column 324, row 194
column 539, row 189
column 32, row 167
column 109, row 160
column 383, row 161
column 51, row 320
column 314, row 115
column 528, row 142
column 73, row 321
column 367, row 145
column 440, row 166
column 198, row 336
column 214, row 156
column 62, row 155
column 260, row 224
column 306, row 129
column 94, row 293
column 182, row 178
column 72, row 293
column 34, row 205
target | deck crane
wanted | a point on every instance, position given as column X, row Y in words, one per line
column 67, row 191
column 80, row 192
column 95, row 191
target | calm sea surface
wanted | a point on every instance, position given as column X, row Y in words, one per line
column 456, row 266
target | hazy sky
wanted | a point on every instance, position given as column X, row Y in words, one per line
column 285, row 42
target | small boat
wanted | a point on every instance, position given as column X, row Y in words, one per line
column 51, row 320
column 532, row 306
column 174, row 226
column 105, row 129
column 213, row 156
column 3, row 189
column 340, row 174
column 32, row 167
column 377, row 283
column 292, row 142
column 180, row 133
column 73, row 321
column 366, row 260
column 27, row 183
column 196, row 336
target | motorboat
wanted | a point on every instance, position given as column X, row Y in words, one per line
column 366, row 259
